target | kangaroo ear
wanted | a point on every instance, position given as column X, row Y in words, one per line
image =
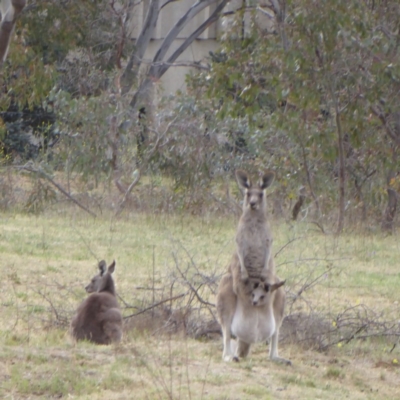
column 267, row 179
column 102, row 267
column 111, row 267
column 243, row 179
column 277, row 285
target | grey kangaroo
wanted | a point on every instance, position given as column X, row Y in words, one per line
column 98, row 318
column 253, row 235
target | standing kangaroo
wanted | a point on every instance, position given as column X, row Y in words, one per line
column 98, row 318
column 253, row 236
column 253, row 312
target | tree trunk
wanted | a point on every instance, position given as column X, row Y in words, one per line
column 390, row 212
column 308, row 176
column 131, row 70
column 299, row 203
column 8, row 19
column 342, row 168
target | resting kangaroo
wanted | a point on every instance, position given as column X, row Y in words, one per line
column 253, row 312
column 253, row 236
column 98, row 318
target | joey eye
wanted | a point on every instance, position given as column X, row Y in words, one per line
column 252, row 295
column 267, row 288
column 255, row 285
column 262, row 297
column 260, row 195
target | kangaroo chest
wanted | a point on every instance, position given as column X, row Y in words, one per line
column 253, row 243
column 253, row 324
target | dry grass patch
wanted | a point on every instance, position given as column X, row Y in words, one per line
column 49, row 259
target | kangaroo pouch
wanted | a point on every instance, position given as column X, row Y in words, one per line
column 253, row 324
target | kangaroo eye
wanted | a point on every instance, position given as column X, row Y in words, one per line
column 262, row 297
column 256, row 285
column 260, row 195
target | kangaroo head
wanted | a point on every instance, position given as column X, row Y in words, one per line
column 257, row 291
column 96, row 281
column 254, row 195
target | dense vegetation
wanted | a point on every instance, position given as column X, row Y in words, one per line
column 313, row 97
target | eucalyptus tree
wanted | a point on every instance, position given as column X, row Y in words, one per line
column 319, row 93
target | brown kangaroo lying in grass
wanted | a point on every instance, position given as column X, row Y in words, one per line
column 98, row 318
column 250, row 309
column 253, row 235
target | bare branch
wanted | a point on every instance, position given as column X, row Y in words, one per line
column 193, row 290
column 157, row 71
column 129, row 75
column 183, row 21
column 128, row 191
column 157, row 304
column 63, row 191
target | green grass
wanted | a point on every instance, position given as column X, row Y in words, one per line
column 47, row 260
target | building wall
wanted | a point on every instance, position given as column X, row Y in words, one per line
column 174, row 78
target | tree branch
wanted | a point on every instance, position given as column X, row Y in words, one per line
column 156, row 305
column 157, row 71
column 129, row 75
column 63, row 191
column 183, row 21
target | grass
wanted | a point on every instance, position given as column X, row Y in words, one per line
column 48, row 259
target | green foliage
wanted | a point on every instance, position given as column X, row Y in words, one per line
column 69, row 46
column 98, row 141
column 339, row 64
column 70, row 25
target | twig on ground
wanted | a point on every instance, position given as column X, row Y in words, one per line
column 59, row 187
column 156, row 305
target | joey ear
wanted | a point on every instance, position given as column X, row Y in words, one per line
column 111, row 267
column 243, row 179
column 277, row 285
column 267, row 179
column 102, row 267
